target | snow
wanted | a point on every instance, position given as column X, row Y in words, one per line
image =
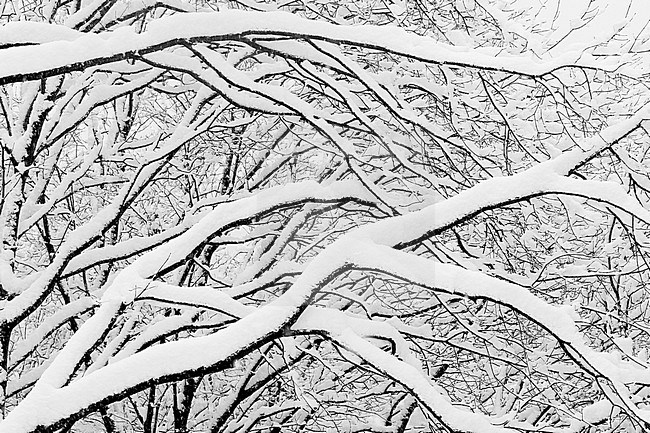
column 372, row 248
column 540, row 180
column 75, row 240
column 158, row 328
column 47, row 403
column 49, row 325
column 181, row 355
column 597, row 412
column 228, row 213
column 123, row 249
column 280, row 270
column 196, row 296
column 452, row 416
column 25, row 32
column 362, row 248
column 337, row 322
column 59, row 193
column 92, row 48
column 349, row 250
column 259, row 265
column 8, row 279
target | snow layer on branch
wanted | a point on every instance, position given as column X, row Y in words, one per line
column 228, row 213
column 336, row 322
column 441, row 408
column 90, row 49
column 456, row 280
column 180, row 356
column 50, row 404
column 27, row 33
column 558, row 321
column 492, row 193
column 122, row 250
column 597, row 412
column 200, row 297
column 48, row 326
